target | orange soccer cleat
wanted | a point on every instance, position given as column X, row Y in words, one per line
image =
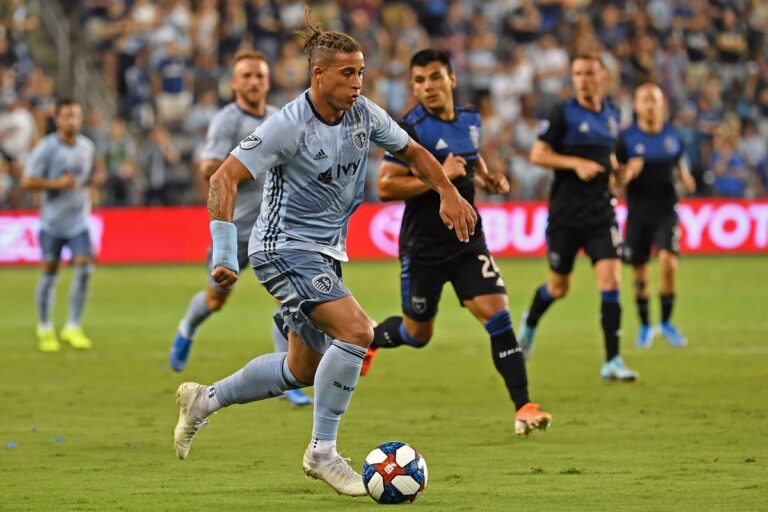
column 368, row 361
column 530, row 418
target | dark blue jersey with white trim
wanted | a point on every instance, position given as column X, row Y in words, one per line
column 654, row 188
column 423, row 235
column 574, row 130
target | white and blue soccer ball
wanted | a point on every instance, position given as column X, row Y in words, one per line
column 394, row 472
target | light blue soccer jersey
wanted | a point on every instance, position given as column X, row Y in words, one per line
column 229, row 126
column 315, row 173
column 63, row 213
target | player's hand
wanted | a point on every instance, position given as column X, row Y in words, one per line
column 455, row 166
column 496, row 184
column 65, row 181
column 224, row 277
column 633, row 168
column 588, row 169
column 688, row 182
column 458, row 214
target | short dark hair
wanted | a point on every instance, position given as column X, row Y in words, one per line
column 65, row 102
column 430, row 55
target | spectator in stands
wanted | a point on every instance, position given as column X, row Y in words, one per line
column 157, row 157
column 732, row 177
column 551, row 65
column 124, row 183
column 510, row 83
column 173, row 85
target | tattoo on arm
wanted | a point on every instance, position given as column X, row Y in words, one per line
column 214, row 207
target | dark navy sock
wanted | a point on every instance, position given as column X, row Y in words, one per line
column 508, row 358
column 541, row 302
column 610, row 319
column 642, row 310
column 667, row 303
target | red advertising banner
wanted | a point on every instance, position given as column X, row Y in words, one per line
column 178, row 235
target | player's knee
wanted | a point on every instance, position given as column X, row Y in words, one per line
column 215, row 302
column 51, row 267
column 641, row 287
column 421, row 333
column 558, row 290
column 359, row 332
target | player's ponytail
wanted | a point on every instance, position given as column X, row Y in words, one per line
column 317, row 43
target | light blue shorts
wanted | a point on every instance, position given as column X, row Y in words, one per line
column 301, row 281
column 79, row 245
column 242, row 261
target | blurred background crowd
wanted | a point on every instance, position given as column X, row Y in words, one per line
column 164, row 67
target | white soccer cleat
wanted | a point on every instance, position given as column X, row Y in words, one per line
column 334, row 470
column 192, row 416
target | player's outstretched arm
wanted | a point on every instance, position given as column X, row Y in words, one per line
column 396, row 182
column 543, row 154
column 221, row 206
column 455, row 211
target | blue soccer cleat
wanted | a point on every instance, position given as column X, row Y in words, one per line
column 297, row 397
column 525, row 340
column 615, row 369
column 179, row 352
column 674, row 337
column 644, row 337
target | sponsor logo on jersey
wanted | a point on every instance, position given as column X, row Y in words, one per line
column 250, row 142
column 359, row 139
column 474, row 136
column 419, row 304
column 320, row 155
column 671, row 145
column 322, row 283
column 349, row 169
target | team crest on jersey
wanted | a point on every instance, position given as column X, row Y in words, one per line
column 250, row 142
column 640, row 149
column 359, row 138
column 322, row 283
column 543, row 126
column 474, row 136
column 670, row 144
column 419, row 304
column 613, row 127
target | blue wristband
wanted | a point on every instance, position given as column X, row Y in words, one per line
column 224, row 237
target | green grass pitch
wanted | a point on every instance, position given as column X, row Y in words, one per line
column 92, row 430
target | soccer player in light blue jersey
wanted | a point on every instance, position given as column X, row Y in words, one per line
column 60, row 167
column 234, row 122
column 314, row 152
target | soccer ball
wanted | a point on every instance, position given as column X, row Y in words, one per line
column 394, row 472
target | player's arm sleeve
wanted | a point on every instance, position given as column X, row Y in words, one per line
column 384, row 131
column 36, row 164
column 89, row 158
column 411, row 131
column 274, row 142
column 218, row 140
column 552, row 129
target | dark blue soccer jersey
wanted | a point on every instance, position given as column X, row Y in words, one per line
column 422, row 234
column 654, row 187
column 574, row 130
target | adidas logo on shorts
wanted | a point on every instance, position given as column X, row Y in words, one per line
column 320, row 155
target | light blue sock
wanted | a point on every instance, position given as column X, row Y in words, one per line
column 266, row 376
column 335, row 381
column 279, row 341
column 78, row 293
column 44, row 297
column 197, row 312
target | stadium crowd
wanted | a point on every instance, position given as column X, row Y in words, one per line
column 166, row 62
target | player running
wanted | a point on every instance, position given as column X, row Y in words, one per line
column 60, row 166
column 578, row 141
column 314, row 152
column 234, row 122
column 653, row 152
column 431, row 256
